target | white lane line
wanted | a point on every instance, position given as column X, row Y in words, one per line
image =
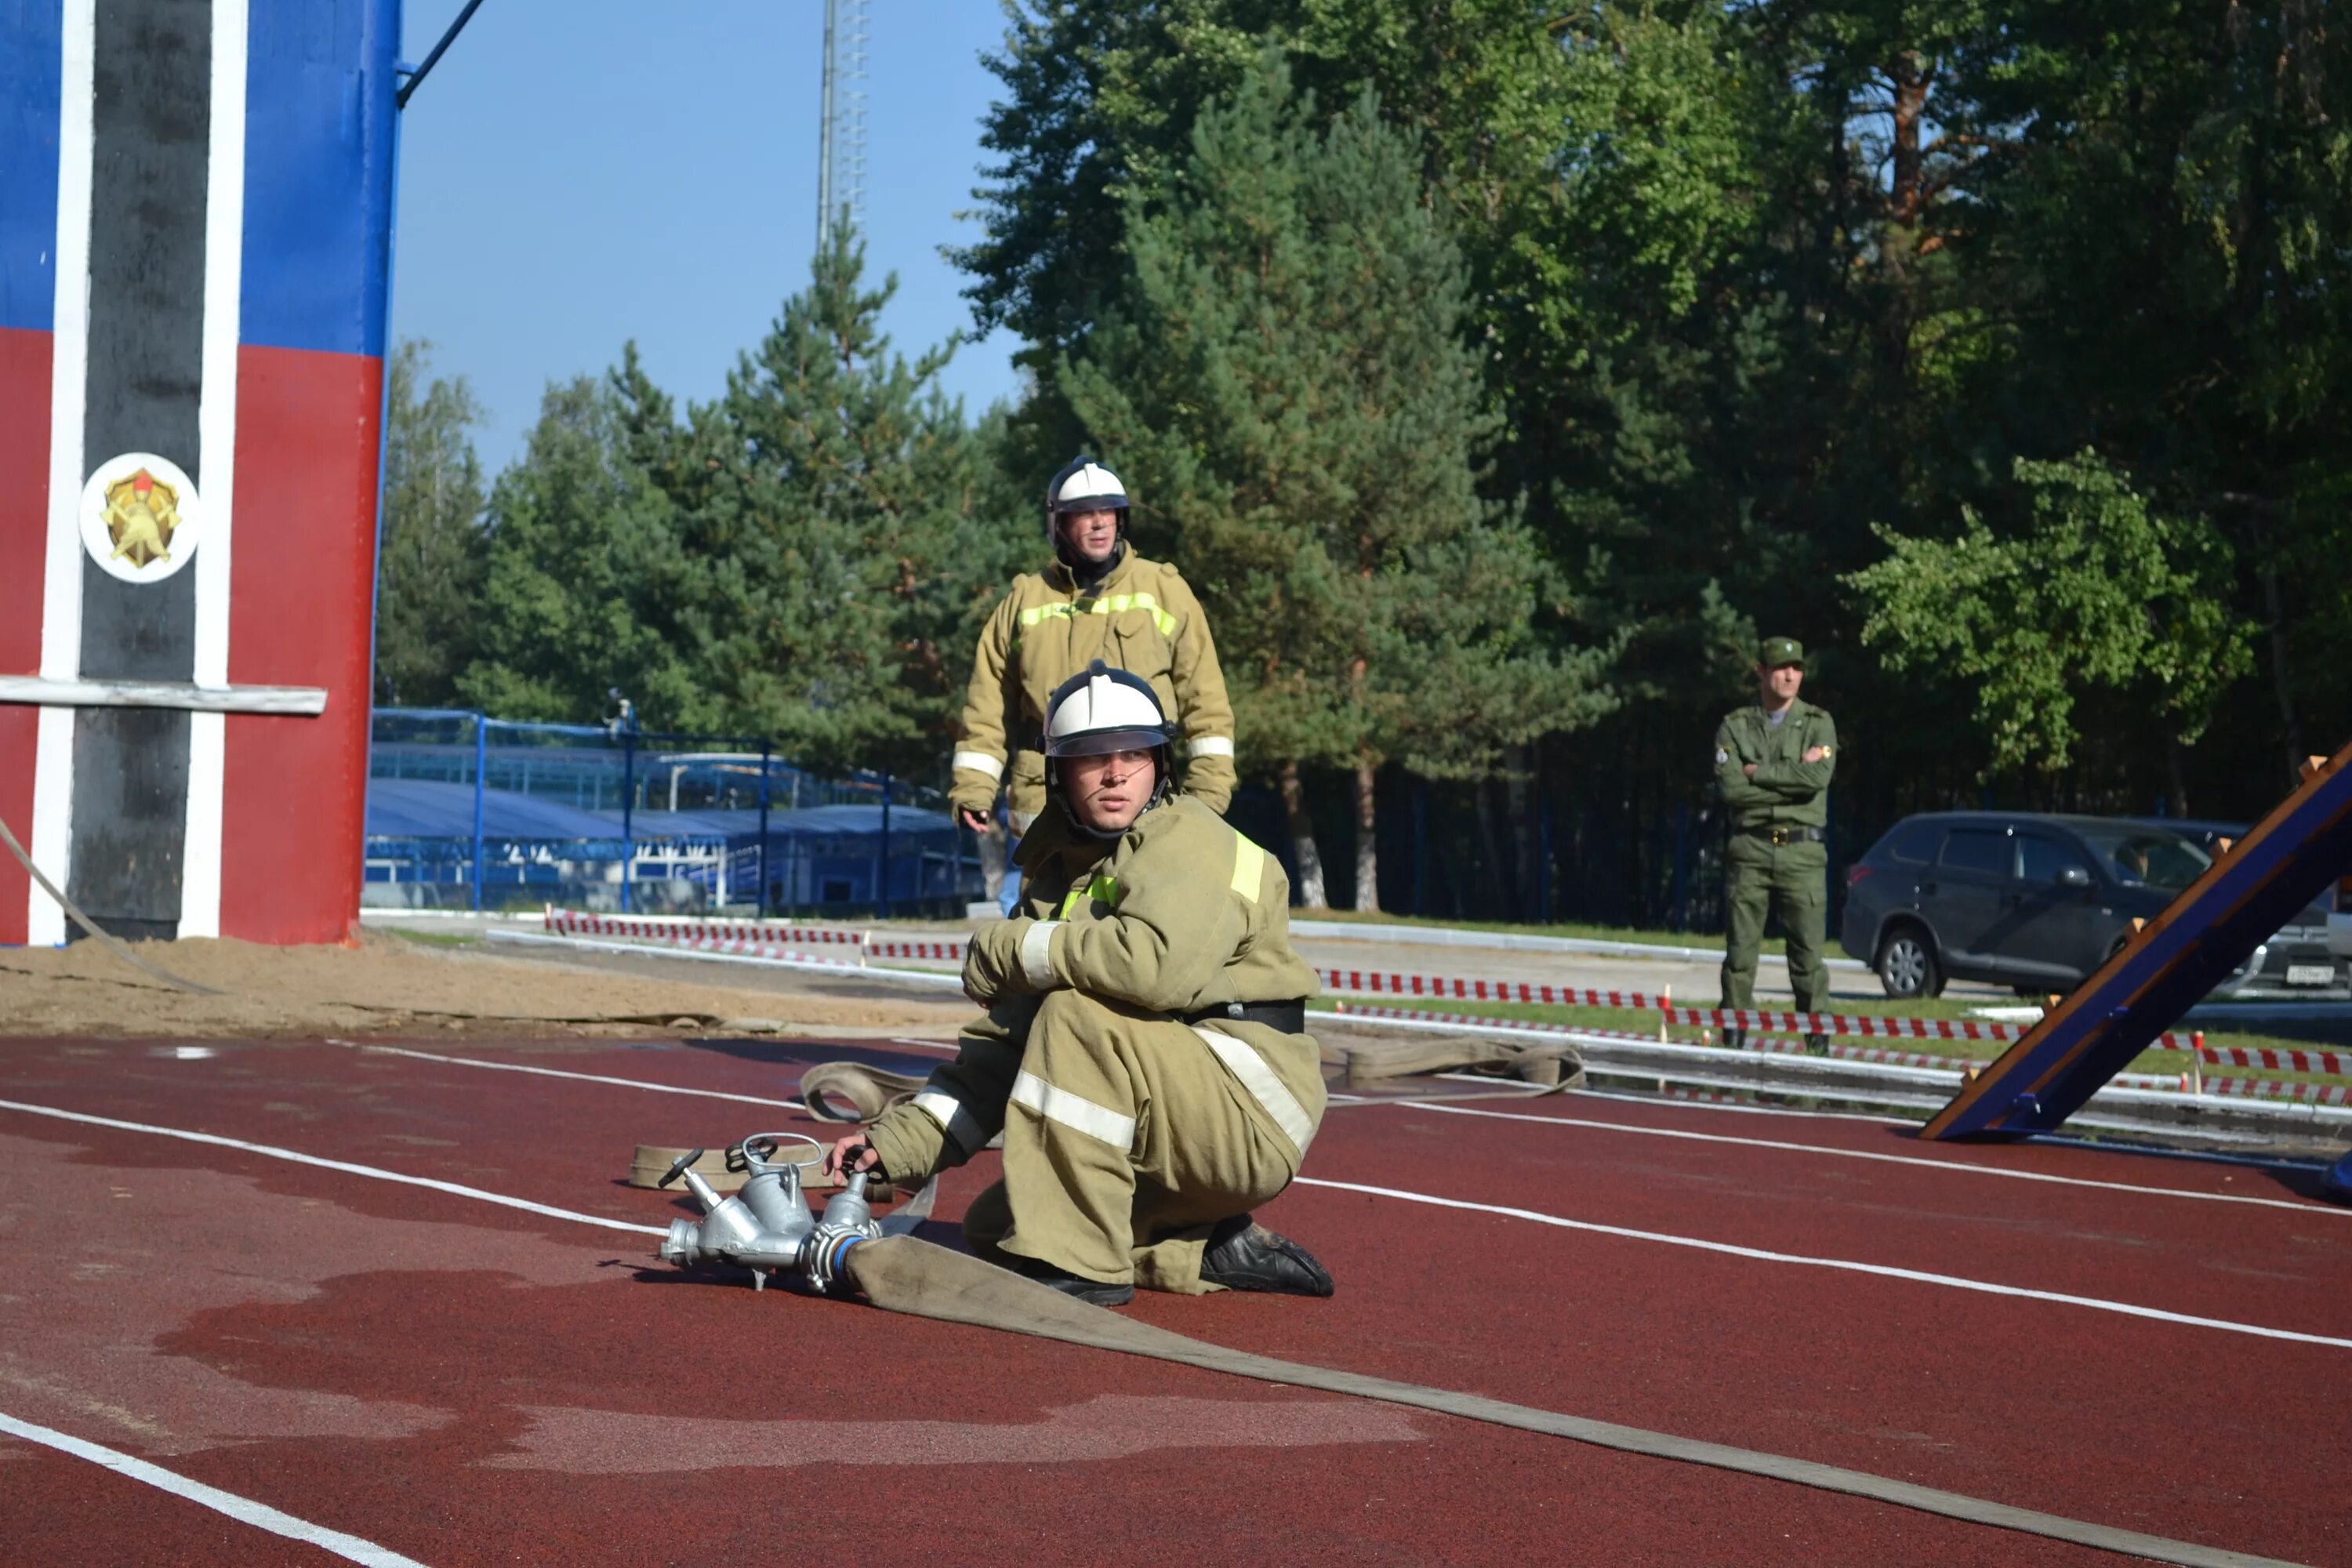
column 577, row 1077
column 1726, row 1248
column 296, row 1157
column 244, row 1510
column 1887, row 1271
column 2311, row 1208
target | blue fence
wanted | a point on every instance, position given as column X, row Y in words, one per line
column 469, row 812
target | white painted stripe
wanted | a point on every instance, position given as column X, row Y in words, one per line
column 1074, row 1111
column 296, row 1157
column 244, row 1510
column 200, row 860
column 1241, row 1060
column 1954, row 1165
column 576, row 1076
column 1211, row 745
column 50, row 834
column 979, row 762
column 1037, row 954
column 1882, row 1270
column 962, row 1127
column 1044, row 1091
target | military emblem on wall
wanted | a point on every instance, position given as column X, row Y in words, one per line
column 139, row 517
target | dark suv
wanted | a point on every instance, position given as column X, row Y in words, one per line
column 2036, row 902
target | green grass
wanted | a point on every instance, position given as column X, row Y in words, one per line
column 436, row 938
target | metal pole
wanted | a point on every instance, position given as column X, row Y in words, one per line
column 764, row 748
column 629, row 801
column 882, row 857
column 481, row 761
column 825, row 133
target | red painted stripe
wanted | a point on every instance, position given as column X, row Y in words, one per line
column 24, row 545
column 299, row 615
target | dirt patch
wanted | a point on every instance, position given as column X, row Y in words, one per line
column 384, row 984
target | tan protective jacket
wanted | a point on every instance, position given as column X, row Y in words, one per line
column 1142, row 618
column 1183, row 913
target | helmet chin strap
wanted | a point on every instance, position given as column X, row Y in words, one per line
column 1088, row 573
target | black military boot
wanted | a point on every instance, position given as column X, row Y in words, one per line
column 1243, row 1255
column 1085, row 1289
column 1735, row 1039
column 1817, row 1045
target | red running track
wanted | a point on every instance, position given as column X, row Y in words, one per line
column 463, row 1383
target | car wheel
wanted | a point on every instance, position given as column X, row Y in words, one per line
column 1906, row 963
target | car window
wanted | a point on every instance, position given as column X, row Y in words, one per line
column 1913, row 843
column 2040, row 859
column 1976, row 849
column 2149, row 856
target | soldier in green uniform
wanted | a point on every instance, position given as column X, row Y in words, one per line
column 1772, row 760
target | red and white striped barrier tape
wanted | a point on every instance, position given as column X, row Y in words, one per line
column 2267, row 1089
column 663, row 928
column 2277, row 1061
column 896, row 949
column 1375, row 983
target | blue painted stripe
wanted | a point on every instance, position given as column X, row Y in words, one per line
column 317, row 174
column 32, row 70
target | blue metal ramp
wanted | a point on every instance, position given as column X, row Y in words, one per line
column 2261, row 882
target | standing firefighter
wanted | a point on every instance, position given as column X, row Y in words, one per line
column 1773, row 760
column 1144, row 1051
column 1099, row 600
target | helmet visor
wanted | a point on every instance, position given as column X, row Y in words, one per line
column 1101, row 743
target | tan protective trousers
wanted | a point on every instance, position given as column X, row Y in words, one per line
column 1126, row 1141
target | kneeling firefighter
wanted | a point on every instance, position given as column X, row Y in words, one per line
column 1144, row 1051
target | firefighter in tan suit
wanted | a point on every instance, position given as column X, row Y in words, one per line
column 1097, row 600
column 1144, row 1051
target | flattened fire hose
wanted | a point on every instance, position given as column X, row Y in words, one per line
column 903, row 1274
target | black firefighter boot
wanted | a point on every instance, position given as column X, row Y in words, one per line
column 1243, row 1255
column 1817, row 1045
column 1068, row 1284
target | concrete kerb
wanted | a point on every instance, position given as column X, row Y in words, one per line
column 1522, row 942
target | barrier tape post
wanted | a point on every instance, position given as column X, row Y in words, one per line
column 1667, row 1010
column 2197, row 1062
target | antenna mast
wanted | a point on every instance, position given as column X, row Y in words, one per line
column 841, row 132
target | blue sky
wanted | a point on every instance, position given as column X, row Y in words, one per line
column 578, row 173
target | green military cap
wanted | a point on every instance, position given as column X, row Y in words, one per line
column 1779, row 651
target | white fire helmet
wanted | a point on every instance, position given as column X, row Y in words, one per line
column 1083, row 485
column 1102, row 710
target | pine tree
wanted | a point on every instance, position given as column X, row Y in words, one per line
column 429, row 560
column 581, row 544
column 1288, row 381
column 843, row 535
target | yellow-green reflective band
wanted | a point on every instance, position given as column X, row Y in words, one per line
column 1116, row 603
column 1104, row 889
column 1249, row 867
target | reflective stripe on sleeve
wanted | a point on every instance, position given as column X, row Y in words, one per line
column 1211, row 745
column 1037, row 954
column 1241, row 1059
column 1075, row 1110
column 1104, row 889
column 961, row 1127
column 1249, row 867
column 980, row 763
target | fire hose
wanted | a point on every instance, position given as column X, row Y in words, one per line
column 768, row 1227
